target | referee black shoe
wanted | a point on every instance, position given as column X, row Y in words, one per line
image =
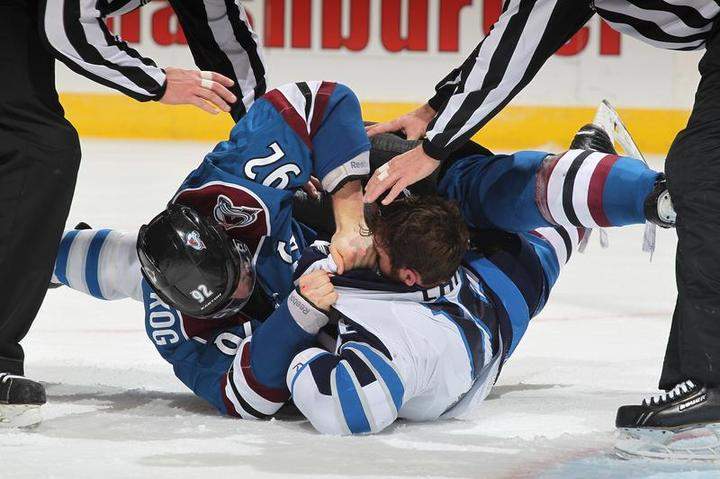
column 20, row 401
column 688, row 405
column 592, row 137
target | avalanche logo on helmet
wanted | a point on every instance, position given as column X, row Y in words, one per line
column 193, row 240
column 231, row 216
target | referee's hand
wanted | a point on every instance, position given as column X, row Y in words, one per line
column 206, row 90
column 412, row 124
column 399, row 173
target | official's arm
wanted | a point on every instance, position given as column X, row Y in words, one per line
column 526, row 35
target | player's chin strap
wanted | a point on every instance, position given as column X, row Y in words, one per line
column 608, row 119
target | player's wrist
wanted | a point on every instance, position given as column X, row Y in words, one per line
column 348, row 208
column 351, row 171
column 305, row 313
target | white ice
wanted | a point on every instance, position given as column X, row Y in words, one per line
column 115, row 410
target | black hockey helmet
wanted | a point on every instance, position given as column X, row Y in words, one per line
column 193, row 265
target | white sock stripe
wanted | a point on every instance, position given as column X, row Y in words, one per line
column 295, row 97
column 77, row 259
column 247, row 327
column 231, row 397
column 556, row 184
column 132, row 282
column 230, row 394
column 581, row 187
column 557, row 243
column 106, row 263
column 314, row 87
column 256, row 401
column 118, row 268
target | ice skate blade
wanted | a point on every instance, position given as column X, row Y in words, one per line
column 691, row 443
column 17, row 416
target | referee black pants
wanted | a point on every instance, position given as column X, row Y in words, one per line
column 39, row 159
column 693, row 170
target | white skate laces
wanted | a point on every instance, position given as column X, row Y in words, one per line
column 5, row 377
column 679, row 390
column 603, row 236
column 648, row 245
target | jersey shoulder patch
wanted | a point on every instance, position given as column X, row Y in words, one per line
column 240, row 211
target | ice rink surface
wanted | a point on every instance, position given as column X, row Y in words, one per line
column 115, row 410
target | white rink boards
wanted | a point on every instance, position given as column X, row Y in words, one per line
column 116, row 410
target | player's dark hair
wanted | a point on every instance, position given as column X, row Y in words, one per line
column 424, row 233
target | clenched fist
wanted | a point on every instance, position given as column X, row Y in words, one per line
column 318, row 290
column 351, row 250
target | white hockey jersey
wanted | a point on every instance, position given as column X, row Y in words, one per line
column 412, row 353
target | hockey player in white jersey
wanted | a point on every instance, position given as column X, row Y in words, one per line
column 409, row 350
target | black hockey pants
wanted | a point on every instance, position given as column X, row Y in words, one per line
column 693, row 170
column 39, row 159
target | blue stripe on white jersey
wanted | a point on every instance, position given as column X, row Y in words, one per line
column 359, row 384
column 78, row 260
column 63, row 254
column 510, row 296
column 346, row 388
column 92, row 264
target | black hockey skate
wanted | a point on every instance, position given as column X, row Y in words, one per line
column 20, row 401
column 592, row 137
column 659, row 209
column 80, row 226
column 672, row 425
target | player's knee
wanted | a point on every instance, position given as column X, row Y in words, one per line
column 356, row 392
column 312, row 394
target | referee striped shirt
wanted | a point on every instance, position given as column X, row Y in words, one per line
column 528, row 33
column 218, row 33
